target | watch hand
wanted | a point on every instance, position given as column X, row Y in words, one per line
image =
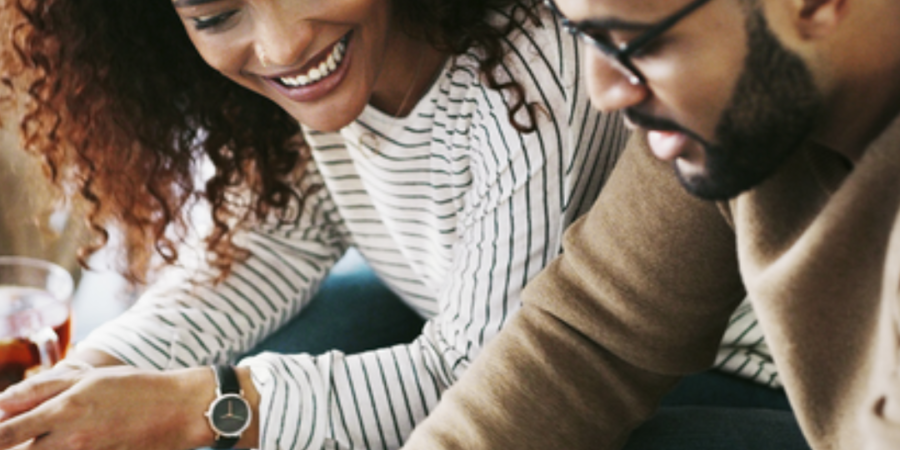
column 229, row 413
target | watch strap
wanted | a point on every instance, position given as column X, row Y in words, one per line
column 223, row 442
column 227, row 379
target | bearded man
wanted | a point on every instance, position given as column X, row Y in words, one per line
column 783, row 116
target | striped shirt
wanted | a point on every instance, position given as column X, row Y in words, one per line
column 744, row 351
column 452, row 207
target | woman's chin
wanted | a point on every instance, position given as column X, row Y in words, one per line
column 328, row 116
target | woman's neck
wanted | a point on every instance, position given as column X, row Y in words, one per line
column 409, row 71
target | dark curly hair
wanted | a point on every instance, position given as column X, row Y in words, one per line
column 121, row 108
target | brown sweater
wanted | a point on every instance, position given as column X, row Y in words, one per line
column 644, row 291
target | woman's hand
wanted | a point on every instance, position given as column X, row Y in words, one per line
column 108, row 408
column 45, row 385
column 30, row 393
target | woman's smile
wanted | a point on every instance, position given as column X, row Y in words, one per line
column 318, row 77
column 322, row 61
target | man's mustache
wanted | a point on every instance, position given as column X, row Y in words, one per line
column 651, row 123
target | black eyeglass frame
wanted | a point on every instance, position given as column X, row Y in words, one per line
column 621, row 54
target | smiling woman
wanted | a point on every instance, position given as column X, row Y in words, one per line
column 451, row 143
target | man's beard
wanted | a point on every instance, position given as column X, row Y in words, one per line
column 773, row 109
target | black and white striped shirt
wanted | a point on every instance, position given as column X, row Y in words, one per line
column 452, row 207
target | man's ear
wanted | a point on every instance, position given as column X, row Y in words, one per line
column 817, row 18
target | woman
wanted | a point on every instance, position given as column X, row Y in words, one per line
column 450, row 142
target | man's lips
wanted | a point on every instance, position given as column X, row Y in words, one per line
column 667, row 139
column 666, row 145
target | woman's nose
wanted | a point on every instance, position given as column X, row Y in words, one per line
column 609, row 87
column 280, row 41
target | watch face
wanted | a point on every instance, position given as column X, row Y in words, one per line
column 230, row 415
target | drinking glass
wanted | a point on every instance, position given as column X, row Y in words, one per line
column 35, row 316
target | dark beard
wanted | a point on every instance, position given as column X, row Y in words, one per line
column 773, row 109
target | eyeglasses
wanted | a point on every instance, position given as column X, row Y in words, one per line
column 621, row 54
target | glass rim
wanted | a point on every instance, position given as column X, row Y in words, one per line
column 63, row 285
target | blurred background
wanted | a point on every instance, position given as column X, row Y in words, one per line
column 32, row 225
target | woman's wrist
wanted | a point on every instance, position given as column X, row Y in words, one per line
column 94, row 358
column 74, row 364
column 197, row 386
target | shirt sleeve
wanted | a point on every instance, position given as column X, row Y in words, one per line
column 184, row 320
column 641, row 295
column 525, row 189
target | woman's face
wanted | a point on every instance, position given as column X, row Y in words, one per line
column 320, row 60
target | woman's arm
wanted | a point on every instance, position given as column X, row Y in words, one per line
column 165, row 327
column 184, row 320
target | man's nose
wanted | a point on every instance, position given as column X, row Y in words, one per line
column 609, row 87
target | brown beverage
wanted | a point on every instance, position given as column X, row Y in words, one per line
column 24, row 313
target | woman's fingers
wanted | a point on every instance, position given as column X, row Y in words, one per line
column 55, row 441
column 16, row 432
column 148, row 411
column 31, row 393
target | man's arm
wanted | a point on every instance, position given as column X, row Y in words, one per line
column 641, row 296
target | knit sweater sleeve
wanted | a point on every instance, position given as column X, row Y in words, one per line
column 641, row 295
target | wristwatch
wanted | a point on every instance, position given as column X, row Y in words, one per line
column 229, row 414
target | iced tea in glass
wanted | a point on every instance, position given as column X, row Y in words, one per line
column 35, row 316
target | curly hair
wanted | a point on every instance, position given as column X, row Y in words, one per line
column 121, row 107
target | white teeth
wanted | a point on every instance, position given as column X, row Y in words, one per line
column 324, row 68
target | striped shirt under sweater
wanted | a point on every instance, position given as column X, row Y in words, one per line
column 452, row 207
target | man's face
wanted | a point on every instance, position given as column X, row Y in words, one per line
column 727, row 107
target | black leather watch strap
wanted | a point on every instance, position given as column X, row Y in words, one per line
column 227, row 379
column 225, row 442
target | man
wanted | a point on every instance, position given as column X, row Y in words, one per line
column 785, row 112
